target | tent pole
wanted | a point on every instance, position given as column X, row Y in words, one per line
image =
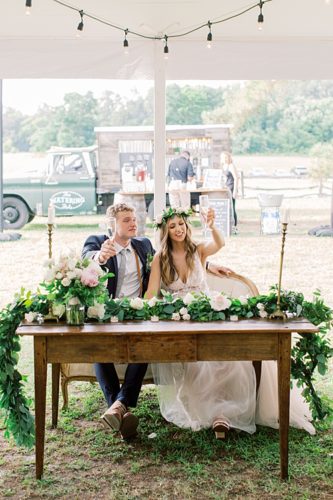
column 1, row 160
column 159, row 128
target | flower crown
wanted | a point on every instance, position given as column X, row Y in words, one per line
column 169, row 213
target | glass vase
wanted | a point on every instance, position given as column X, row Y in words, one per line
column 74, row 314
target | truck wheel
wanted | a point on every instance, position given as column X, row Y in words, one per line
column 15, row 213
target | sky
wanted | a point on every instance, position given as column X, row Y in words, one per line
column 27, row 95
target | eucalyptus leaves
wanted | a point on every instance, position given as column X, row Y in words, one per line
column 310, row 353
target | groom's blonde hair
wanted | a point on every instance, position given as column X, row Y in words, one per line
column 168, row 269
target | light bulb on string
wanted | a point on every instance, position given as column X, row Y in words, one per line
column 80, row 25
column 209, row 36
column 166, row 48
column 125, row 43
column 261, row 16
column 28, row 5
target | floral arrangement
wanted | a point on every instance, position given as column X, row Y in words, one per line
column 170, row 212
column 73, row 281
column 310, row 353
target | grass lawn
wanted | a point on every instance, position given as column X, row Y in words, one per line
column 82, row 460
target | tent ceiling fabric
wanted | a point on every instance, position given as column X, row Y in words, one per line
column 296, row 40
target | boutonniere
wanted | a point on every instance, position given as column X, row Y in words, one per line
column 149, row 261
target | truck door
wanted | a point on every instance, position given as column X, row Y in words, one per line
column 69, row 185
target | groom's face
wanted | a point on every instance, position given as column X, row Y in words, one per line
column 127, row 226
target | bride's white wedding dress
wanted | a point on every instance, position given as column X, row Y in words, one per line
column 193, row 395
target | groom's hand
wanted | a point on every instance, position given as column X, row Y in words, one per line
column 107, row 251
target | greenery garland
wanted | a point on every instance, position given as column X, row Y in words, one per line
column 309, row 353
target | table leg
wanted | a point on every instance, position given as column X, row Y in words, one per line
column 55, row 393
column 40, row 400
column 284, row 363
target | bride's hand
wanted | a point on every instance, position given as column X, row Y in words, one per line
column 210, row 217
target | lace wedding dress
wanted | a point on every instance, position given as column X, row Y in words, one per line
column 192, row 395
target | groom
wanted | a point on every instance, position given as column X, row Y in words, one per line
column 126, row 256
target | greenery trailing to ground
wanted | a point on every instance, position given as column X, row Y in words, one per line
column 310, row 353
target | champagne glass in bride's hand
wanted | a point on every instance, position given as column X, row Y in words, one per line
column 111, row 228
column 204, row 206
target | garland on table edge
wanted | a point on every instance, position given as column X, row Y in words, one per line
column 309, row 353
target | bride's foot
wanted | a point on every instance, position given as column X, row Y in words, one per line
column 220, row 427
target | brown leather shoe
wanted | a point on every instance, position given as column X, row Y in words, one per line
column 113, row 417
column 220, row 427
column 129, row 425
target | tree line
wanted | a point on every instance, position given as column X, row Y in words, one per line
column 268, row 117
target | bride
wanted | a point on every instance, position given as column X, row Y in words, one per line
column 202, row 394
column 221, row 394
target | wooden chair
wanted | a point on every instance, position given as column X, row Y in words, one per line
column 234, row 286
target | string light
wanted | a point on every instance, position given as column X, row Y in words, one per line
column 28, row 5
column 261, row 16
column 125, row 43
column 165, row 37
column 80, row 25
column 209, row 36
column 166, row 48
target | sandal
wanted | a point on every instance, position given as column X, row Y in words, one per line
column 220, row 427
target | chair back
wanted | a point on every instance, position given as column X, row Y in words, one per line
column 233, row 286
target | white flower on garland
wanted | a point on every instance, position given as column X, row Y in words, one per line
column 30, row 317
column 155, row 319
column 114, row 319
column 260, row 306
column 58, row 309
column 233, row 317
column 96, row 311
column 183, row 311
column 175, row 317
column 219, row 302
column 186, row 317
column 66, row 281
column 137, row 303
column 263, row 313
column 153, row 301
column 188, row 299
column 243, row 300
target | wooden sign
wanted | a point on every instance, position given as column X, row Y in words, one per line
column 213, row 178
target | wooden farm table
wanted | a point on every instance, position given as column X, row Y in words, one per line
column 165, row 341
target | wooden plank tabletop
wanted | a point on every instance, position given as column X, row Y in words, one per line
column 249, row 326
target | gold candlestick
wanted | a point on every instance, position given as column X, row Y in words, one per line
column 50, row 316
column 278, row 314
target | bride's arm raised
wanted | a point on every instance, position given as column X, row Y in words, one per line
column 217, row 242
column 154, row 284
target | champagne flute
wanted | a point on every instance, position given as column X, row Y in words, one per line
column 111, row 227
column 204, row 206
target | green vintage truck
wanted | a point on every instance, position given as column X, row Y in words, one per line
column 69, row 181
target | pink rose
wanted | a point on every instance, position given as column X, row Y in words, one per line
column 89, row 277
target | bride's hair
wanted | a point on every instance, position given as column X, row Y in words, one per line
column 168, row 270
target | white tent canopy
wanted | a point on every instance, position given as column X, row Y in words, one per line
column 296, row 40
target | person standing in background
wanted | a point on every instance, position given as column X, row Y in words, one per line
column 180, row 172
column 231, row 182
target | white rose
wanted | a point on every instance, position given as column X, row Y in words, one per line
column 154, row 318
column 153, row 301
column 233, row 317
column 74, row 301
column 260, row 306
column 188, row 299
column 137, row 303
column 263, row 314
column 30, row 317
column 58, row 309
column 159, row 219
column 183, row 311
column 219, row 303
column 71, row 275
column 243, row 299
column 114, row 319
column 65, row 282
column 58, row 275
column 175, row 316
column 186, row 317
column 96, row 311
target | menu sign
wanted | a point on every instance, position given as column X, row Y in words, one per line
column 222, row 214
column 213, row 178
